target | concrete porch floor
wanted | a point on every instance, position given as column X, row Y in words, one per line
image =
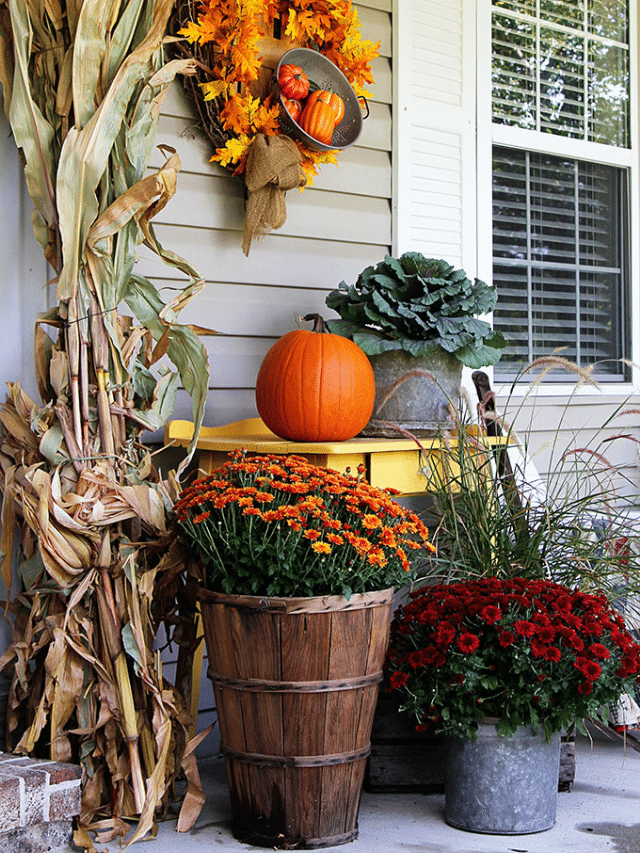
column 600, row 815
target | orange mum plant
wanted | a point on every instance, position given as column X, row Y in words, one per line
column 280, row 526
column 234, row 74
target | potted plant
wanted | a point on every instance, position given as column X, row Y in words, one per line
column 298, row 569
column 417, row 320
column 501, row 666
column 493, row 515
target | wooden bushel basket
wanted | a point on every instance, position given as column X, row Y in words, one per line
column 296, row 683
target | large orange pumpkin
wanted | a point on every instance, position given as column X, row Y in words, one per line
column 315, row 386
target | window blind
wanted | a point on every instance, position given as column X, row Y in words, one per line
column 559, row 249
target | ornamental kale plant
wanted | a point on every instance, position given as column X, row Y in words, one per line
column 280, row 526
column 416, row 304
column 528, row 652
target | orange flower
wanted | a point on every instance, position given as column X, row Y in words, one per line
column 324, row 512
column 311, row 534
column 376, row 557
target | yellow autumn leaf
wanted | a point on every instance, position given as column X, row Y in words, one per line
column 233, row 151
column 191, row 32
column 214, row 88
column 238, row 114
column 266, row 119
column 293, row 28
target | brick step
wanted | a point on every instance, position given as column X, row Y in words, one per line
column 38, row 801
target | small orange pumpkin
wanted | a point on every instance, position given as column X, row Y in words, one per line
column 318, row 120
column 293, row 107
column 315, row 386
column 335, row 102
column 293, row 82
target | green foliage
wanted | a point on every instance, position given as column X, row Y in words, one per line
column 495, row 516
column 417, row 304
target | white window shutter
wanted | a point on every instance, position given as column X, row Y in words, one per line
column 435, row 130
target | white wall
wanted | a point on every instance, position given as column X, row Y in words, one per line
column 23, row 270
column 334, row 229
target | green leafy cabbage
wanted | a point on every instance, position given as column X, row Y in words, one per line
column 416, row 304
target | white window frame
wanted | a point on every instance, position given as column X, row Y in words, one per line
column 490, row 135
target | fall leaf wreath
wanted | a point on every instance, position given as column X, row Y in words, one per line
column 236, row 45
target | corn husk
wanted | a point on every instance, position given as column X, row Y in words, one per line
column 99, row 571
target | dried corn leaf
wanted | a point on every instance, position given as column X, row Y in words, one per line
column 83, row 83
column 8, row 520
column 32, row 132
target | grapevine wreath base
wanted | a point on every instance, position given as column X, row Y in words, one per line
column 237, row 45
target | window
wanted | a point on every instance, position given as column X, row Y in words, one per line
column 559, row 254
column 560, row 69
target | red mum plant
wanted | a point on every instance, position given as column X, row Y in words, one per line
column 527, row 652
column 280, row 526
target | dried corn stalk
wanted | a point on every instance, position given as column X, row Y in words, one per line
column 83, row 82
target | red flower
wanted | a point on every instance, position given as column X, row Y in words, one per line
column 524, row 628
column 445, row 634
column 538, row 649
column 599, row 651
column 398, row 679
column 506, row 638
column 546, row 634
column 468, row 643
column 491, row 614
column 589, row 668
column 585, row 688
column 553, row 654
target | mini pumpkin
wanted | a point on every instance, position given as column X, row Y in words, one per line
column 315, row 386
column 293, row 107
column 318, row 120
column 334, row 100
column 293, row 82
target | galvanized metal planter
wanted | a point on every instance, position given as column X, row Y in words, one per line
column 502, row 785
column 413, row 393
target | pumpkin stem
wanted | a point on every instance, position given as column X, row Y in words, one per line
column 319, row 324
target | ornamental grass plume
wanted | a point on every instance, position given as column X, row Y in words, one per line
column 525, row 651
column 280, row 526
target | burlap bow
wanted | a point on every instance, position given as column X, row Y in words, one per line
column 273, row 167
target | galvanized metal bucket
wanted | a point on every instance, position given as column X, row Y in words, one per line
column 502, row 785
column 413, row 393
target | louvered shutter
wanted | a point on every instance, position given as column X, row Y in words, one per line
column 434, row 127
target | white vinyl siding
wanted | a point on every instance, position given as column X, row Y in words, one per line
column 23, row 271
column 334, row 229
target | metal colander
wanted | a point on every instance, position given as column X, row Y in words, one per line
column 325, row 75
